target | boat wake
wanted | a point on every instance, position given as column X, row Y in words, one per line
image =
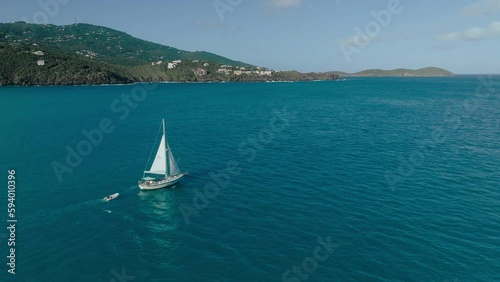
column 52, row 216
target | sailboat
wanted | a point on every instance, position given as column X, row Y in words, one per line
column 164, row 171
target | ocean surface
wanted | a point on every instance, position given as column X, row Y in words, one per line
column 368, row 179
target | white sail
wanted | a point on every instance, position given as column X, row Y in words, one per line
column 159, row 165
column 174, row 169
column 163, row 164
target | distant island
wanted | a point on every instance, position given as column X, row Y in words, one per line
column 84, row 54
column 429, row 71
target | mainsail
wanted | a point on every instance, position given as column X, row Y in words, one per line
column 159, row 165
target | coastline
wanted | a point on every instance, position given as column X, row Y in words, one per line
column 340, row 78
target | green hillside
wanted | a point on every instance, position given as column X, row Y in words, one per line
column 19, row 67
column 83, row 54
column 25, row 64
column 100, row 43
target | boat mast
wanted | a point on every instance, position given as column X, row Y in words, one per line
column 167, row 171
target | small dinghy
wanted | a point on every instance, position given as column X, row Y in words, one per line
column 111, row 197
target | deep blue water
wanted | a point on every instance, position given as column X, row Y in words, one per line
column 398, row 178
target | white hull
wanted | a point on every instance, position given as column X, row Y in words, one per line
column 111, row 197
column 169, row 181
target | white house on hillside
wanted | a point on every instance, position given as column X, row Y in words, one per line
column 200, row 72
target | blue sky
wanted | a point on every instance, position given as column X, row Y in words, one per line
column 306, row 35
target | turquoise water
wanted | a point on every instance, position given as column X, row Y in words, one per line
column 369, row 179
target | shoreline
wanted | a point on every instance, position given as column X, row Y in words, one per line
column 166, row 82
column 341, row 78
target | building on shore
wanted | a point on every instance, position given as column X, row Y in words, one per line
column 200, row 72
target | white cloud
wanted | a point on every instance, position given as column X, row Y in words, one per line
column 481, row 8
column 285, row 3
column 473, row 34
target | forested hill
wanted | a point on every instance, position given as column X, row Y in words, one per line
column 83, row 54
column 102, row 43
